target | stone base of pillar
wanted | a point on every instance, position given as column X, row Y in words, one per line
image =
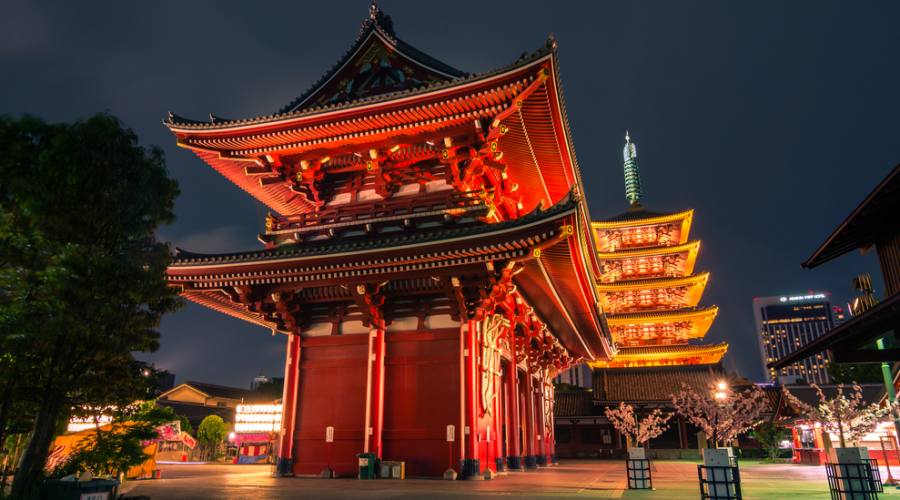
column 471, row 470
column 541, row 460
column 284, row 467
column 514, row 463
column 530, row 462
column 500, row 465
column 553, row 460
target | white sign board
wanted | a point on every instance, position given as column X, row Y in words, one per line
column 451, row 433
column 329, row 434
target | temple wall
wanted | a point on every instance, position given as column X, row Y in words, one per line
column 423, row 394
column 421, row 398
column 332, row 392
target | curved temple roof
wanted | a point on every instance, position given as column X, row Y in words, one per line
column 661, row 355
column 364, row 104
column 546, row 280
column 692, row 287
column 641, row 217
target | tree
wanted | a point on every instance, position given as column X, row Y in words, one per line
column 725, row 418
column 638, row 431
column 769, row 435
column 852, row 373
column 849, row 417
column 272, row 389
column 119, row 447
column 82, row 275
column 185, row 423
column 211, row 433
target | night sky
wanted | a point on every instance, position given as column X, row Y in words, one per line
column 771, row 119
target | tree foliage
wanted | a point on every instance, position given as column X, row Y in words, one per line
column 211, row 433
column 849, row 417
column 637, row 430
column 852, row 373
column 82, row 275
column 116, row 448
column 722, row 420
column 769, row 435
column 272, row 389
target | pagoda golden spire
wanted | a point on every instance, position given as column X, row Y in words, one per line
column 633, row 190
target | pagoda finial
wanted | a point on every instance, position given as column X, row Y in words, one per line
column 373, row 10
column 633, row 190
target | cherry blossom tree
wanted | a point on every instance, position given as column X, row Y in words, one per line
column 723, row 415
column 848, row 416
column 638, row 431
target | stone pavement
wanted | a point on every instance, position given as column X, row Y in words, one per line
column 674, row 480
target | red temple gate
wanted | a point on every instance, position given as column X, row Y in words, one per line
column 429, row 258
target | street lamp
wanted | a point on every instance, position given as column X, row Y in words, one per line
column 720, row 396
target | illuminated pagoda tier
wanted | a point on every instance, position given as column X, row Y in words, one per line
column 428, row 258
column 648, row 288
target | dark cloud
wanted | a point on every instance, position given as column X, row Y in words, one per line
column 771, row 119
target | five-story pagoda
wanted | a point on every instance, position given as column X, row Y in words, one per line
column 428, row 258
column 648, row 288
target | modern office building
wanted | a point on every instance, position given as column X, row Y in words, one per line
column 786, row 323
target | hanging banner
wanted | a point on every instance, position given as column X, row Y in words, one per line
column 189, row 441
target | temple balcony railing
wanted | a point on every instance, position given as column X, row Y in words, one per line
column 405, row 211
column 656, row 306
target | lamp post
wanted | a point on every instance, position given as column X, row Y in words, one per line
column 720, row 396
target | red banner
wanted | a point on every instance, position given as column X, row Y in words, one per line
column 188, row 440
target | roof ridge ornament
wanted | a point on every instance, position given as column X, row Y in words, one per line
column 377, row 19
column 633, row 190
column 552, row 43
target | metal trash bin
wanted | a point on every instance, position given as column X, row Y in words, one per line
column 368, row 465
column 95, row 489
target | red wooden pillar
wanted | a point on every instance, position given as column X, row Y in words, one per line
column 551, row 429
column 373, row 441
column 530, row 421
column 513, row 433
column 497, row 433
column 471, row 467
column 541, row 426
column 289, row 405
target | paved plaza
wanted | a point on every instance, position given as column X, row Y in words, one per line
column 571, row 479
